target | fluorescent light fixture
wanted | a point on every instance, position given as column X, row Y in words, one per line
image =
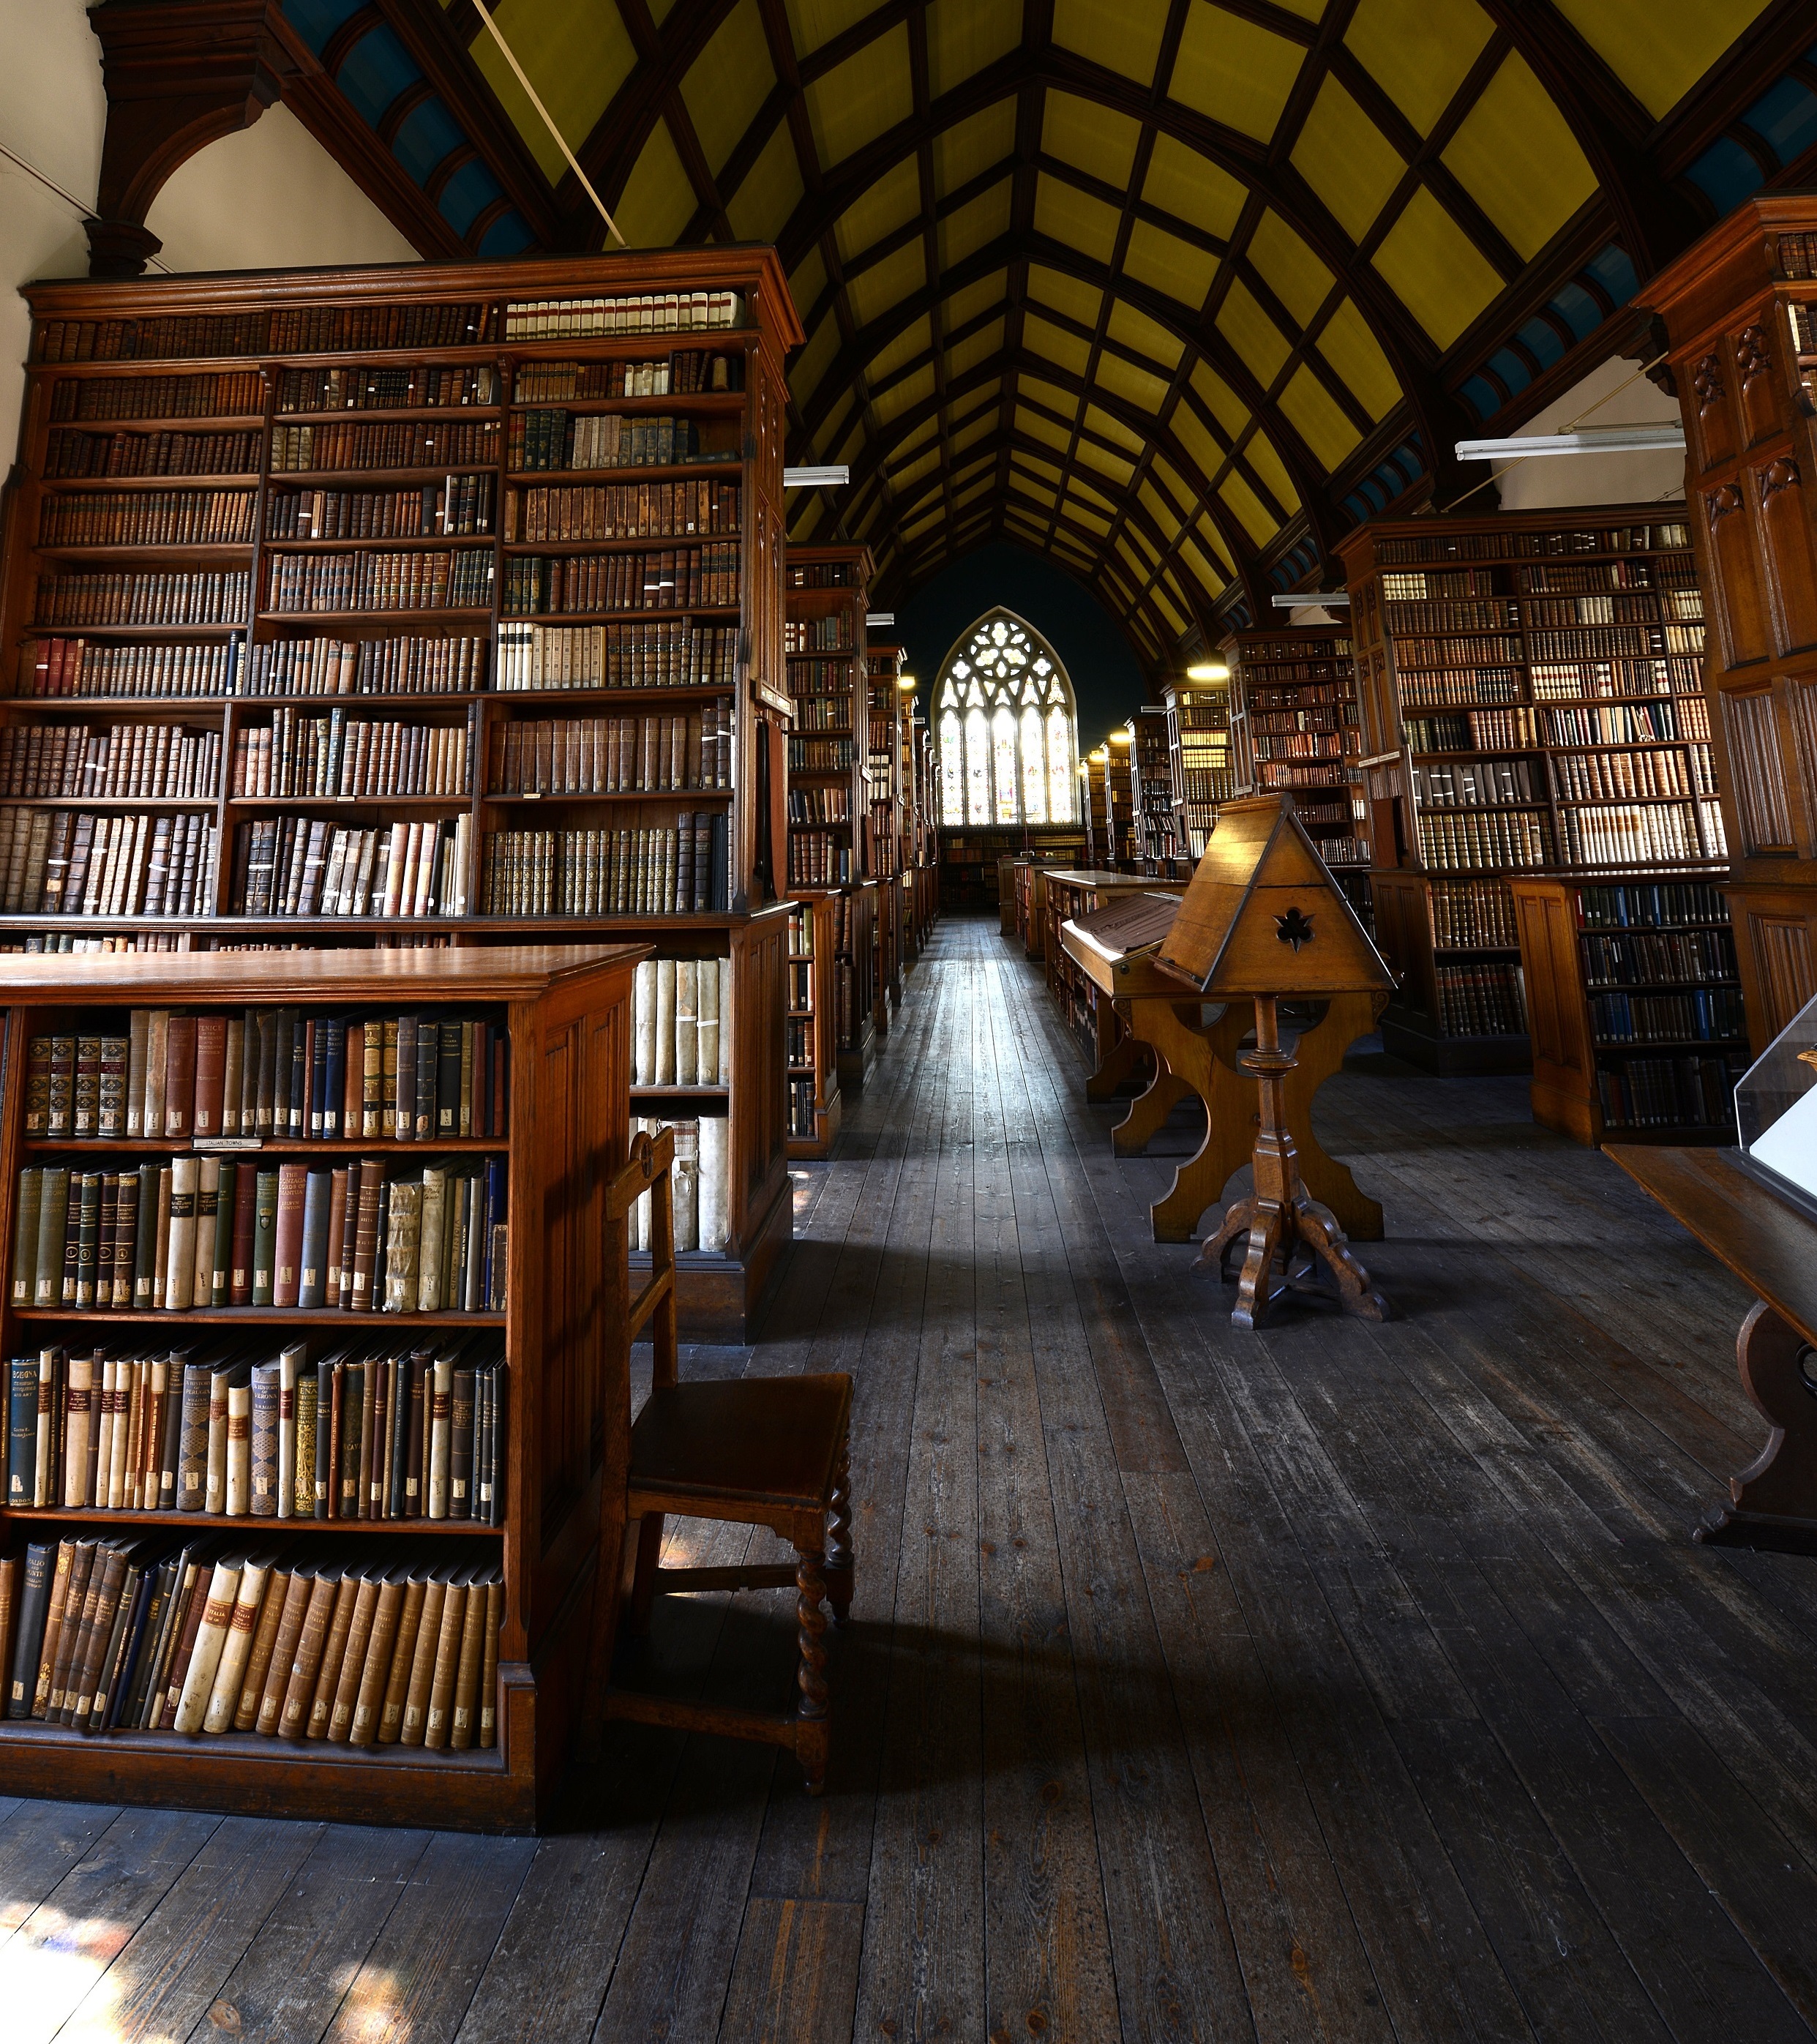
column 1122, row 737
column 815, row 478
column 1339, row 598
column 1664, row 438
column 907, row 683
column 1209, row 670
column 876, row 618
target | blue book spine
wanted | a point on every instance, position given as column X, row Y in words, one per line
column 335, row 1088
column 312, row 1287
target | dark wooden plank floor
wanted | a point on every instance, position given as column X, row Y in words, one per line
column 1341, row 1683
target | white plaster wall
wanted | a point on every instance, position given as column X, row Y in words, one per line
column 1613, row 478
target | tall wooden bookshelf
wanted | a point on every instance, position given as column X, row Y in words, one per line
column 1531, row 703
column 1199, row 759
column 1740, row 314
column 827, row 596
column 565, row 1013
column 571, row 471
column 1294, row 724
column 1151, row 791
column 926, row 840
column 968, row 859
column 883, row 771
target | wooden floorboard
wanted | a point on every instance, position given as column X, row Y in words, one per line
column 1340, row 1684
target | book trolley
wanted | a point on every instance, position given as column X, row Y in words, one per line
column 558, row 1098
column 436, row 604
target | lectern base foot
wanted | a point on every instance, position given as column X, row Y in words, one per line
column 1293, row 1252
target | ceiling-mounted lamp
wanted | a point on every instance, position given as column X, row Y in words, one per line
column 1665, row 437
column 1207, row 670
column 877, row 619
column 1124, row 737
column 907, row 683
column 1337, row 599
column 815, row 478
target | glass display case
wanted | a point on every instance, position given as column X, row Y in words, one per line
column 1776, row 1112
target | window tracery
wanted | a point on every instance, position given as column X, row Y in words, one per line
column 1007, row 728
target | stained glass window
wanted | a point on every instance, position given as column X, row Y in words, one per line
column 1008, row 728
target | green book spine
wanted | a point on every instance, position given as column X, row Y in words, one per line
column 53, row 1212
column 221, row 1269
column 88, row 1239
column 264, row 1237
column 145, row 1248
column 26, row 1234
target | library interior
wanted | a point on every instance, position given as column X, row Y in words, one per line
column 1012, row 805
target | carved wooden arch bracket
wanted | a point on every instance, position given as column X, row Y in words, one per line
column 180, row 73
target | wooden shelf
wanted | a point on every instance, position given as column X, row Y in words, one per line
column 100, row 1518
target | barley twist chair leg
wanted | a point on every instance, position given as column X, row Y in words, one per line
column 840, row 1566
column 813, row 1726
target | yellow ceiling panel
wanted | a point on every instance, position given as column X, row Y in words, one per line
column 1037, row 465
column 1065, row 293
column 1135, row 387
column 1108, row 465
column 576, row 57
column 1168, row 611
column 1165, row 517
column 1192, row 188
column 1087, row 517
column 813, row 22
column 1074, row 219
column 1039, row 392
column 854, row 441
column 1435, row 269
column 1320, row 420
column 835, row 427
column 1148, row 337
column 1169, row 264
column 1196, row 439
column 727, row 82
column 963, row 37
column 966, row 304
column 891, row 202
column 658, row 202
column 1214, row 580
column 1259, row 451
column 1089, row 136
column 1659, row 48
column 1288, row 267
column 1234, row 71
column 904, row 397
column 922, row 521
column 872, row 292
column 1149, row 554
column 1055, row 342
column 806, row 285
column 1257, row 339
column 915, row 437
column 1043, row 492
column 900, row 478
column 858, row 100
column 1241, row 500
column 1517, row 158
column 975, row 348
column 1100, row 421
column 915, row 338
column 771, row 192
column 1347, row 342
column 968, row 149
column 973, row 429
column 1038, row 426
column 1212, row 538
column 1219, row 399
column 979, row 220
column 1077, row 487
column 1420, row 51
column 1121, row 35
column 1347, row 159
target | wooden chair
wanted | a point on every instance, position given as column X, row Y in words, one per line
column 755, row 1451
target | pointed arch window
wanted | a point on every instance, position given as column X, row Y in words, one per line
column 1008, row 728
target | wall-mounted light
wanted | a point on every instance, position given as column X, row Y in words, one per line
column 1666, row 437
column 1126, row 736
column 907, row 683
column 1338, row 599
column 1207, row 670
column 815, row 478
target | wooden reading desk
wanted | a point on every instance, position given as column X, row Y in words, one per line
column 1073, row 893
column 1772, row 1247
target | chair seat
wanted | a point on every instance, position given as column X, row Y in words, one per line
column 772, row 1440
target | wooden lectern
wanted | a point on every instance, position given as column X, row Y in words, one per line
column 1263, row 918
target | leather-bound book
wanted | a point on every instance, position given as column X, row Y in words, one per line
column 293, row 1186
column 334, row 1653
column 192, row 1448
column 360, row 1634
column 80, row 1420
column 417, row 1437
column 87, row 1239
column 441, row 1422
column 439, row 1720
column 447, row 1120
column 460, row 1443
column 179, row 1256
column 372, row 1055
column 207, row 1220
column 311, row 1281
column 122, row 1644
column 349, row 1405
column 336, row 1268
column 258, row 1669
column 25, row 1235
column 403, row 1656
column 180, row 1076
column 170, row 1435
column 388, row 1075
column 238, row 1498
column 381, row 1377
column 265, row 1237
column 375, row 1673
column 57, row 1597
column 192, row 1607
column 59, row 1119
column 464, row 1723
column 209, row 1638
column 233, row 1073
column 125, row 1240
column 53, row 1222
column 265, row 1097
column 423, row 1663
column 301, row 1468
column 429, row 1063
column 72, row 1240
column 403, row 1242
column 326, row 1443
column 245, row 1235
column 353, row 1081
column 87, row 1569
column 296, row 1124
column 316, row 1118
column 371, row 1374
column 85, row 1108
column 28, row 1623
column 38, row 1086
column 221, row 1251
column 237, row 1650
column 306, row 1660
column 488, row 1731
column 268, row 1399
column 210, row 1074
column 110, row 1123
column 366, row 1237
column 88, row 1669
column 298, row 1593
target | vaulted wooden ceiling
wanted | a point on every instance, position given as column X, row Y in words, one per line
column 1173, row 290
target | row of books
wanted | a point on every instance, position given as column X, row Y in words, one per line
column 1603, row 776
column 819, row 574
column 683, row 372
column 828, row 712
column 69, row 455
column 616, row 656
column 819, row 806
column 1481, row 999
column 76, row 863
column 585, row 756
column 1667, row 536
column 335, row 330
column 237, row 394
column 1549, row 577
column 812, row 677
column 1622, row 723
column 832, row 634
column 125, row 596
column 700, row 1186
column 657, row 871
column 677, row 579
column 93, row 761
column 819, row 755
column 1651, row 958
column 434, row 579
column 201, row 1232
column 1467, row 838
column 681, row 1023
column 1650, row 905
column 458, row 506
column 817, row 858
column 148, row 518
column 399, row 667
column 432, row 444
column 1305, row 744
column 1593, row 680
column 1285, row 718
column 1474, row 783
column 337, row 755
column 1688, row 1092
column 602, row 318
column 541, row 441
column 1643, row 834
column 271, row 1075
column 408, row 387
column 1703, row 1014
column 1505, row 614
column 135, row 1635
column 165, row 669
column 147, row 340
column 1471, row 730
column 798, row 1047
column 800, row 1104
column 310, row 865
column 624, row 511
column 407, row 1431
column 1462, row 688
